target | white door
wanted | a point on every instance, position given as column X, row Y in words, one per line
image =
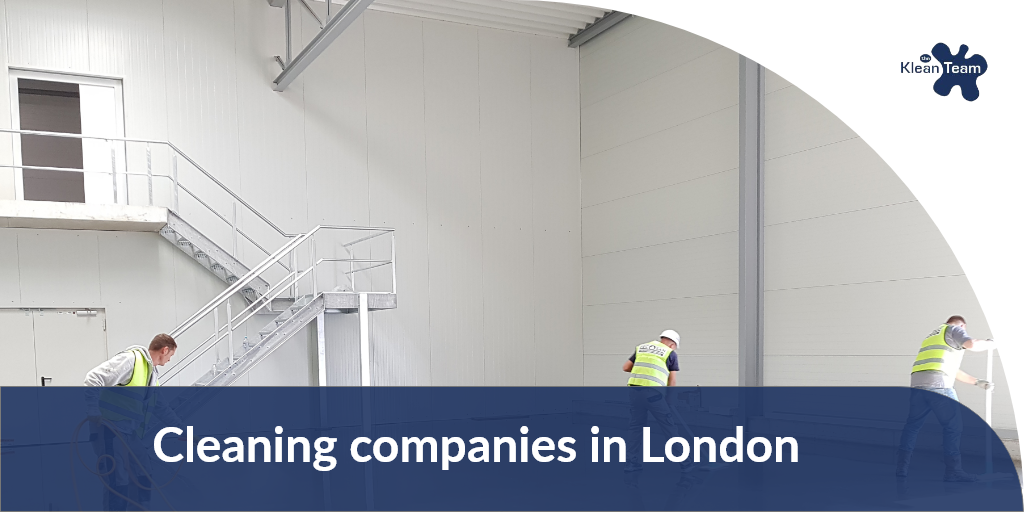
column 69, row 343
column 102, row 115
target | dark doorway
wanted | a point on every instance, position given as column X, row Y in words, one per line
column 51, row 107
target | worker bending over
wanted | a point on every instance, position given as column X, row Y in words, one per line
column 123, row 399
column 652, row 366
column 935, row 369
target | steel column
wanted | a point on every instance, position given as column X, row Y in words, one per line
column 364, row 341
column 321, row 350
column 751, row 224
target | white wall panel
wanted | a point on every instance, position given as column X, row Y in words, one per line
column 126, row 40
column 708, row 325
column 506, row 182
column 58, row 269
column 880, row 244
column 693, row 209
column 51, row 34
column 136, row 313
column 398, row 197
column 199, row 55
column 686, row 152
column 635, row 57
column 690, row 268
column 698, row 88
column 451, row 74
column 334, row 86
column 795, row 122
column 555, row 159
column 271, row 153
column 838, row 178
column 10, row 279
column 611, row 38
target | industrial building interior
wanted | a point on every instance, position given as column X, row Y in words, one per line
column 449, row 192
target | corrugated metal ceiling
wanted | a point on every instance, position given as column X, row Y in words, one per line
column 539, row 18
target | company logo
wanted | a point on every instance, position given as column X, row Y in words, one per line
column 955, row 70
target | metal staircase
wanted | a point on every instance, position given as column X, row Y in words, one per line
column 280, row 296
column 209, row 255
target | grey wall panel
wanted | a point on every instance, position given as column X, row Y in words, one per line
column 555, row 160
column 838, row 178
column 506, row 182
column 398, row 197
column 774, row 82
column 294, row 364
column 34, row 24
column 827, row 320
column 709, row 81
column 10, row 279
column 126, row 39
column 343, row 348
column 707, row 325
column 694, row 149
column 893, row 242
column 613, row 68
column 691, row 268
column 659, row 183
column 694, row 370
column 795, row 122
column 58, row 269
column 611, row 38
column 451, row 74
column 693, row 209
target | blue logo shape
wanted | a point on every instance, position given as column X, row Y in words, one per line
column 926, row 58
column 958, row 70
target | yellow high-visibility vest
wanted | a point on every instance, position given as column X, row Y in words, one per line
column 935, row 354
column 651, row 365
column 131, row 401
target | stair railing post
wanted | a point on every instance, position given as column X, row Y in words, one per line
column 312, row 263
column 174, row 182
column 113, row 169
column 394, row 274
column 149, row 172
column 216, row 335
column 231, row 344
column 295, row 275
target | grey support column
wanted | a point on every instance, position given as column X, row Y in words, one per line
column 751, row 228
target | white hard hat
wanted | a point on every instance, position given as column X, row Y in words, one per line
column 672, row 335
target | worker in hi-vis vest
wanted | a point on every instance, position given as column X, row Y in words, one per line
column 121, row 397
column 651, row 368
column 935, row 369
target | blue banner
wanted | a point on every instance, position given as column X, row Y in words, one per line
column 536, row 448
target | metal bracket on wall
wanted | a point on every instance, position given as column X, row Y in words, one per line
column 333, row 26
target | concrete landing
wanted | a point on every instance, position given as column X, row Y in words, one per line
column 99, row 217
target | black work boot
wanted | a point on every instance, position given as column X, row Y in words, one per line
column 955, row 471
column 902, row 462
